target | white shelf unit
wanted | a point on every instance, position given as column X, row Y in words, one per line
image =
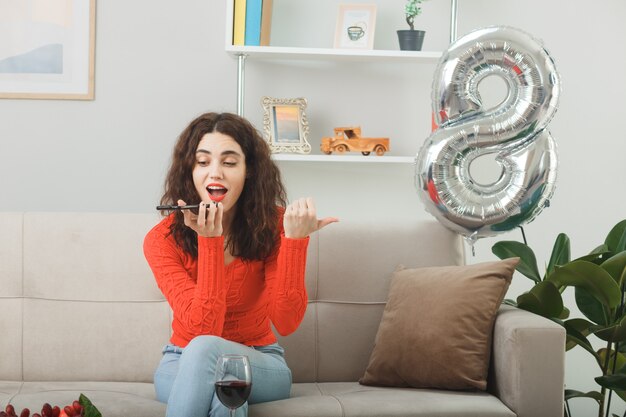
column 344, row 158
column 330, row 54
column 241, row 53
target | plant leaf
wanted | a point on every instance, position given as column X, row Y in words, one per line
column 615, row 382
column 528, row 262
column 616, row 267
column 582, row 326
column 614, row 333
column 90, row 409
column 592, row 278
column 603, row 248
column 560, row 253
column 621, row 246
column 590, row 307
column 578, row 338
column 618, row 358
column 616, row 239
column 621, row 394
column 543, row 299
column 570, row 393
column 596, row 258
column 621, row 359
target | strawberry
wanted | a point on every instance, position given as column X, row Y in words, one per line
column 46, row 410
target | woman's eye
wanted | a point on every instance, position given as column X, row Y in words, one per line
column 230, row 163
column 202, row 163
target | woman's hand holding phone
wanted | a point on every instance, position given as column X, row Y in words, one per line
column 208, row 221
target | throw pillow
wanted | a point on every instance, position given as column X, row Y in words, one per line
column 437, row 326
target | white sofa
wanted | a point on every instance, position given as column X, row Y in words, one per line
column 80, row 312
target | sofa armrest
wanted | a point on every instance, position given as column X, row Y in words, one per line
column 528, row 365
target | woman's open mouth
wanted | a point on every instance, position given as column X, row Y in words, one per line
column 217, row 192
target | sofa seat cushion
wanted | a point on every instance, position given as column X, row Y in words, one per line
column 328, row 399
column 113, row 399
column 339, row 399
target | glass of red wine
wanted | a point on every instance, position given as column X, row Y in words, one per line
column 233, row 381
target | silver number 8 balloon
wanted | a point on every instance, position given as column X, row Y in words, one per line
column 515, row 131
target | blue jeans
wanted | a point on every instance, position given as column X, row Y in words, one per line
column 185, row 377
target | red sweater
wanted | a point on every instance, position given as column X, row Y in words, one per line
column 236, row 301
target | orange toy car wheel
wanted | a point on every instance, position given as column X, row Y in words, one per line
column 341, row 148
column 365, row 153
column 380, row 150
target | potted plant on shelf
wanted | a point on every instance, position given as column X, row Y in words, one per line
column 411, row 39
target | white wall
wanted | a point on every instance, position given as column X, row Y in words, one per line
column 161, row 63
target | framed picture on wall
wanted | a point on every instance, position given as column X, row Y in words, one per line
column 47, row 49
column 285, row 126
column 355, row 28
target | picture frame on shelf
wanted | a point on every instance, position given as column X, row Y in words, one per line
column 356, row 25
column 285, row 125
column 49, row 50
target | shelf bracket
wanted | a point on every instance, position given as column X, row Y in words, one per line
column 453, row 19
column 241, row 80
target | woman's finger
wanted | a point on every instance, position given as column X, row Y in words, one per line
column 201, row 221
column 219, row 215
column 302, row 210
column 294, row 206
column 186, row 213
column 311, row 207
column 210, row 218
column 326, row 221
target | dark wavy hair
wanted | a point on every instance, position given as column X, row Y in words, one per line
column 253, row 232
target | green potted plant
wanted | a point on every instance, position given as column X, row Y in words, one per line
column 599, row 282
column 411, row 39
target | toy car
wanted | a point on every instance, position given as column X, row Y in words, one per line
column 348, row 139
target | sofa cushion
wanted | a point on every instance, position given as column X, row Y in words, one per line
column 331, row 399
column 437, row 326
column 349, row 399
column 90, row 307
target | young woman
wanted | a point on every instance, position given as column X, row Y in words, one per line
column 229, row 270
